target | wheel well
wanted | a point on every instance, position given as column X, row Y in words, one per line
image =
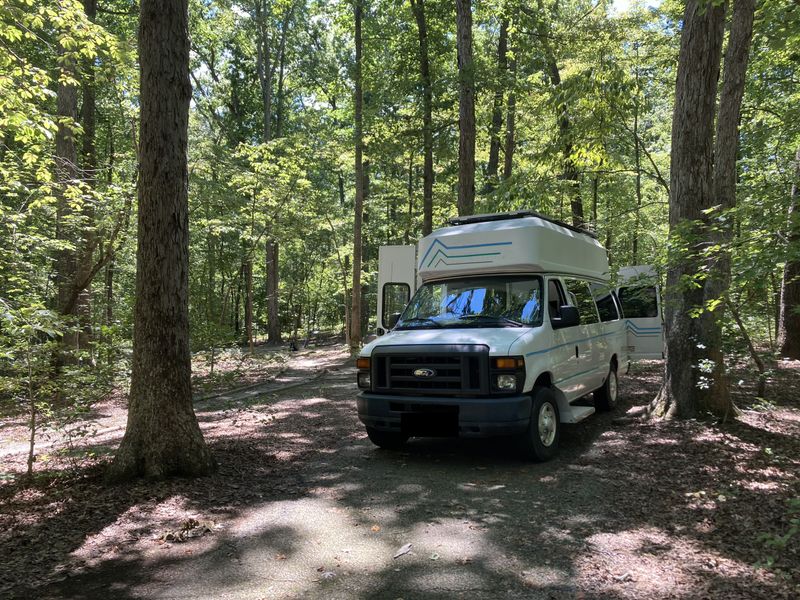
column 544, row 380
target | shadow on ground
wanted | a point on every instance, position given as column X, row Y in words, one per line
column 309, row 508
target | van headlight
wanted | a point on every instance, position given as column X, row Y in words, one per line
column 506, row 382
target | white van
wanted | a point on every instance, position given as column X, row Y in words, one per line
column 514, row 321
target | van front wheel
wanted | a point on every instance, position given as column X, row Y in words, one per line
column 540, row 441
column 388, row 440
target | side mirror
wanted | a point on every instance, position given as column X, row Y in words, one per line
column 392, row 320
column 380, row 331
column 569, row 318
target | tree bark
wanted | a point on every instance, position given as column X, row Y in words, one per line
column 690, row 193
column 716, row 394
column 466, row 109
column 355, row 313
column 162, row 437
column 789, row 317
column 418, row 6
column 497, row 107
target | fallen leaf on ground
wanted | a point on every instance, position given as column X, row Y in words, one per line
column 403, row 550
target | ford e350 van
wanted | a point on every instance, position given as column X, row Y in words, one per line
column 513, row 323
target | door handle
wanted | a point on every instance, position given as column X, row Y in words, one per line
column 576, row 352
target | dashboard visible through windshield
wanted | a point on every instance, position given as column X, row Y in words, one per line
column 507, row 301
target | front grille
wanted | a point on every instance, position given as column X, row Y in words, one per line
column 458, row 369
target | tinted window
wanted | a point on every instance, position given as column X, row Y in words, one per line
column 583, row 300
column 606, row 305
column 639, row 302
column 395, row 298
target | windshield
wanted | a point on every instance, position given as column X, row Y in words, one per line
column 476, row 302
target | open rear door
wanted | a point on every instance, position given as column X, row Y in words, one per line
column 396, row 283
column 640, row 297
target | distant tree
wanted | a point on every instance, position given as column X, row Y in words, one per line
column 355, row 316
column 418, row 6
column 789, row 320
column 466, row 109
column 162, row 437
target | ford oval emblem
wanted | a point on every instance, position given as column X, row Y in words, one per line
column 424, row 373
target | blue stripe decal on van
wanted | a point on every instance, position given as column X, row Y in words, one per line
column 634, row 327
column 594, row 337
column 460, row 247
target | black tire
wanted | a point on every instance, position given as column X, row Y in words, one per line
column 540, row 441
column 605, row 397
column 389, row 440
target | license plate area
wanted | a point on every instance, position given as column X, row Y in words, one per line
column 432, row 421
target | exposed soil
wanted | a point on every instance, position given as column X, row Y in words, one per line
column 304, row 506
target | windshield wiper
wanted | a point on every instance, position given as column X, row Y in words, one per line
column 491, row 318
column 418, row 320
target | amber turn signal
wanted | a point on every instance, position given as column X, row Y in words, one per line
column 508, row 363
column 362, row 363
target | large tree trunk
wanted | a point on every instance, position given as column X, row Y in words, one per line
column 789, row 318
column 690, row 193
column 466, row 109
column 162, row 437
column 418, row 6
column 497, row 106
column 715, row 394
column 355, row 313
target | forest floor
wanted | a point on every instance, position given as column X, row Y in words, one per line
column 303, row 506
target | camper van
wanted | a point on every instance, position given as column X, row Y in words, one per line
column 499, row 324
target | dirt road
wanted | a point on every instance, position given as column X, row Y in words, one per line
column 305, row 507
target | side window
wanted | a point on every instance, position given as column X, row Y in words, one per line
column 584, row 300
column 606, row 304
column 555, row 298
column 395, row 298
column 639, row 302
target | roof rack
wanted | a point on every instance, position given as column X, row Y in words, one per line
column 517, row 214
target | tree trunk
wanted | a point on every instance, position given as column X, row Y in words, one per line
column 716, row 393
column 162, row 437
column 355, row 313
column 789, row 318
column 273, row 312
column 263, row 68
column 466, row 109
column 690, row 193
column 511, row 115
column 497, row 106
column 638, row 164
column 247, row 272
column 85, row 262
column 418, row 6
column 66, row 167
column 570, row 172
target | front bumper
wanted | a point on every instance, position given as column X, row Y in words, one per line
column 475, row 417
